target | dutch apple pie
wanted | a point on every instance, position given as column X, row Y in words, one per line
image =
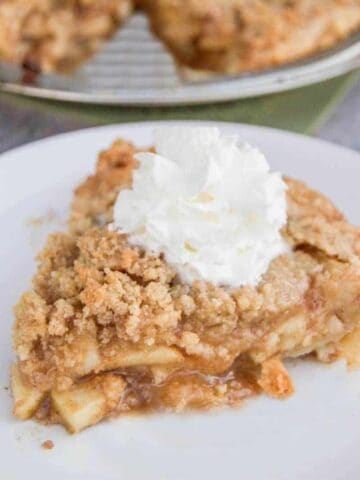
column 223, row 36
column 110, row 328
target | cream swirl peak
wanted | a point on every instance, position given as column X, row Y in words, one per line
column 209, row 203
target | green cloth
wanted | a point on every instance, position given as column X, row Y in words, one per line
column 300, row 110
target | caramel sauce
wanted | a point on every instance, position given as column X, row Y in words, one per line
column 180, row 390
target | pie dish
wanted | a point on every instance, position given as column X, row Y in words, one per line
column 108, row 329
column 229, row 36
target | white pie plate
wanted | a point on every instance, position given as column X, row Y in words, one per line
column 314, row 435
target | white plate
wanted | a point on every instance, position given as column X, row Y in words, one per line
column 314, row 435
column 134, row 68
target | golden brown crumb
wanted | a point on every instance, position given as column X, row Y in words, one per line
column 94, row 198
column 48, row 445
column 275, row 380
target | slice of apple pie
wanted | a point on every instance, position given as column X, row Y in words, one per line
column 110, row 328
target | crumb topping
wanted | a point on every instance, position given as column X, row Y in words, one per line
column 48, row 445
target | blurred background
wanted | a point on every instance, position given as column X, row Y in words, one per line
column 130, row 72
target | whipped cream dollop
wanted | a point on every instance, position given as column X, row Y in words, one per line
column 209, row 203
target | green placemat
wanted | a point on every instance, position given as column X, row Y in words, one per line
column 300, row 110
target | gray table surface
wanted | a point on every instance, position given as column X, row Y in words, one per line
column 21, row 126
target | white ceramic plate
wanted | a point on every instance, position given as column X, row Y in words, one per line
column 314, row 435
column 134, row 68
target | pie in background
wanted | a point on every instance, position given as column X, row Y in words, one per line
column 108, row 329
column 232, row 36
column 219, row 36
